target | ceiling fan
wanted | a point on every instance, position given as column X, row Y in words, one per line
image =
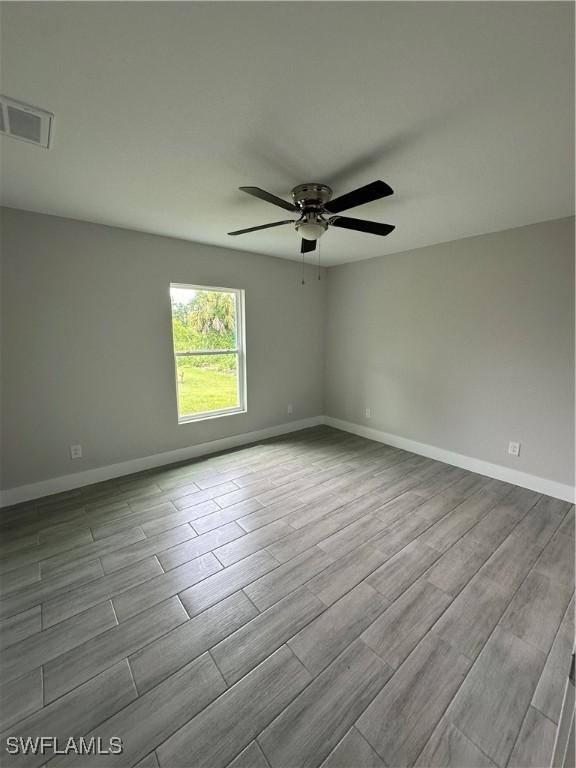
column 314, row 204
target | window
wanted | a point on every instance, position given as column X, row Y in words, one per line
column 208, row 335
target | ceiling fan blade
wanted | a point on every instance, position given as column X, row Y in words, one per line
column 307, row 246
column 373, row 191
column 262, row 226
column 269, row 198
column 360, row 225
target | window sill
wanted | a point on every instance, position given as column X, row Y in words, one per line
column 210, row 415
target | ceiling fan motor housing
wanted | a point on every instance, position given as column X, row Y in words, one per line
column 311, row 196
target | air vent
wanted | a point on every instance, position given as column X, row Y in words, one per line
column 21, row 121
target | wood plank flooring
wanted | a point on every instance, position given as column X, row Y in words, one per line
column 313, row 600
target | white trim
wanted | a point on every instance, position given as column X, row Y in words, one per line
column 97, row 475
column 206, row 352
column 508, row 475
column 207, row 415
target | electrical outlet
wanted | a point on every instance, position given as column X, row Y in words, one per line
column 290, row 409
column 514, row 449
column 368, row 413
column 76, row 451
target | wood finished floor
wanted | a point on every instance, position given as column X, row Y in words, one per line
column 314, row 600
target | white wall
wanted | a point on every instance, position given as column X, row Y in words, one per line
column 463, row 346
column 87, row 346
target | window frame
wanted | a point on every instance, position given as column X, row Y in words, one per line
column 240, row 352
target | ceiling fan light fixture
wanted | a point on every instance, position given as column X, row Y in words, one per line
column 311, row 230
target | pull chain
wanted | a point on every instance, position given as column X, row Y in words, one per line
column 303, row 281
column 319, row 239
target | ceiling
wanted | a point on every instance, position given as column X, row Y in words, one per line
column 164, row 109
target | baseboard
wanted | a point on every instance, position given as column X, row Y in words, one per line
column 79, row 479
column 498, row 472
column 69, row 482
